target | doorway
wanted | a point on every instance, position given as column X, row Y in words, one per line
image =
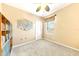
column 38, row 29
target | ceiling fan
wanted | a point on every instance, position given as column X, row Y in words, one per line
column 47, row 8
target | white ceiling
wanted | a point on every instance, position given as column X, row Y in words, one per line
column 31, row 6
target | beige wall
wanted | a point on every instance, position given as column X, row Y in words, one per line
column 0, row 8
column 67, row 27
column 14, row 14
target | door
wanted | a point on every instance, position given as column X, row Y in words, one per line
column 38, row 29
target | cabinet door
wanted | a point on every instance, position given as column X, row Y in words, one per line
column 38, row 28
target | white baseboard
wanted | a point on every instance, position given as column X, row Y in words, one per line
column 62, row 45
column 24, row 43
column 49, row 41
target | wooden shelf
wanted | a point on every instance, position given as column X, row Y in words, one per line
column 5, row 34
column 3, row 19
column 7, row 22
column 11, row 44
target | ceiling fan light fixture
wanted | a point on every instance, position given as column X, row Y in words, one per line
column 38, row 9
column 47, row 8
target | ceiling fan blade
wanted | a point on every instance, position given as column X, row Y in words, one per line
column 47, row 8
column 38, row 9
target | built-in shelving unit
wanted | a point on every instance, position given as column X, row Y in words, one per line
column 5, row 36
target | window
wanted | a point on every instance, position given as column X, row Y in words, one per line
column 50, row 25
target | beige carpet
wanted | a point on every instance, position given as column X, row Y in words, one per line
column 43, row 48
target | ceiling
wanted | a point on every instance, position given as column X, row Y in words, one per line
column 31, row 6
